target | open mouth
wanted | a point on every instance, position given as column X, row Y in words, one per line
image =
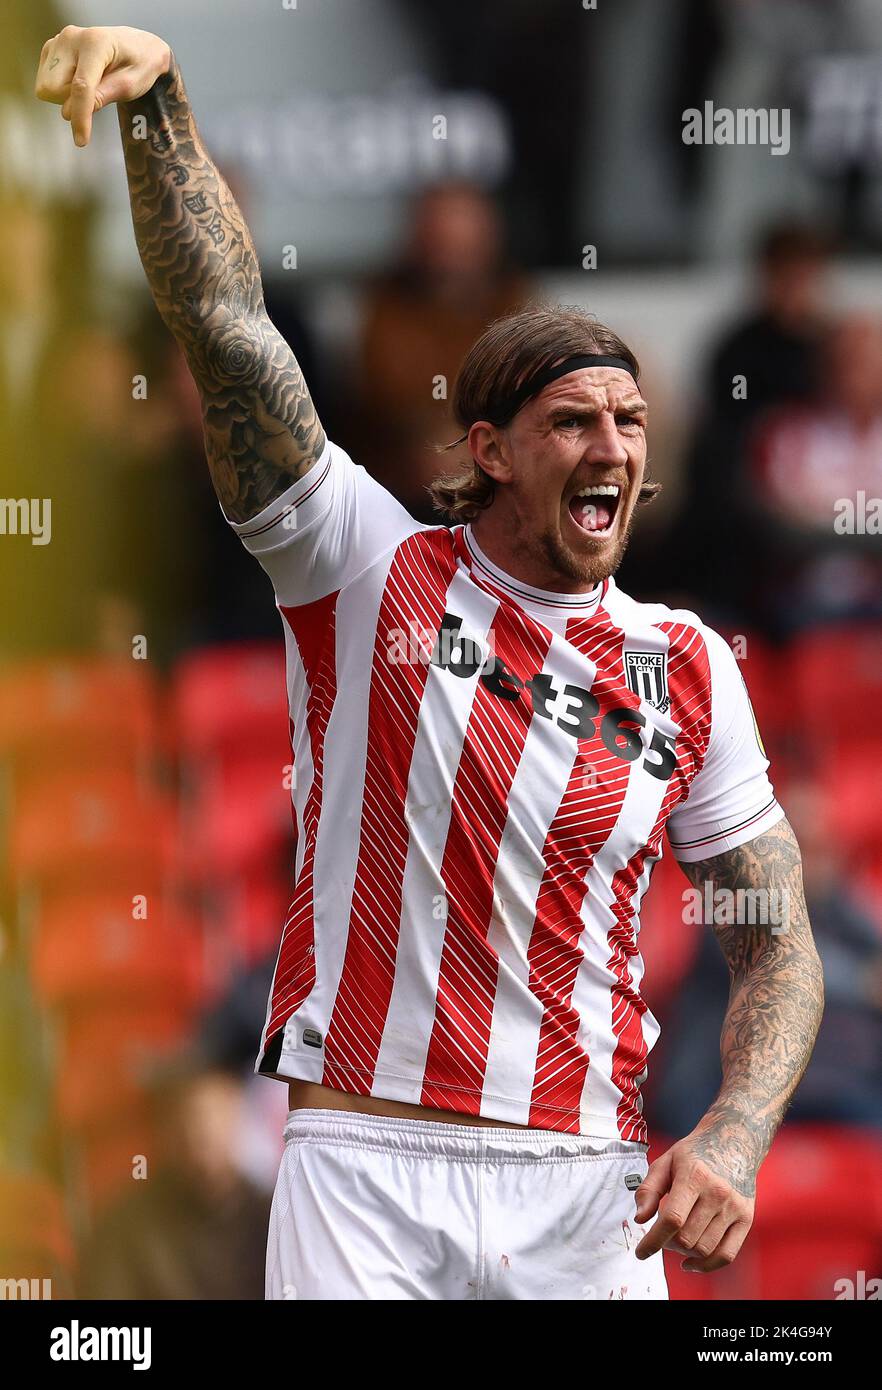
column 594, row 508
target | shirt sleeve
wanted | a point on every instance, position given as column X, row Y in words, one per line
column 730, row 800
column 327, row 528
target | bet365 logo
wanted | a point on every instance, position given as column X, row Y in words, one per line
column 570, row 707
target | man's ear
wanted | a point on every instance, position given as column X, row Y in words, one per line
column 489, row 448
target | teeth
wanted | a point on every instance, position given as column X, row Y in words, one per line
column 599, row 490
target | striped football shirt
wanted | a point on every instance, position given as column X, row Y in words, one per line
column 484, row 772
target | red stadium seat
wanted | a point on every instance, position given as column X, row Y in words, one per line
column 77, row 712
column 90, row 827
column 107, row 1056
column 834, row 684
column 868, row 886
column 252, row 911
column 92, row 947
column 818, row 1220
column 243, row 916
column 239, row 819
column 230, row 700
column 852, row 784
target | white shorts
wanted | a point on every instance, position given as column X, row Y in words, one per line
column 373, row 1208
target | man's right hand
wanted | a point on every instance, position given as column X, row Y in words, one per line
column 83, row 70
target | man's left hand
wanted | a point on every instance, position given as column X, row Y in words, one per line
column 700, row 1213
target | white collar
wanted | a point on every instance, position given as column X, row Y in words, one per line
column 576, row 605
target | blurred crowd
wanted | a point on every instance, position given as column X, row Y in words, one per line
column 137, row 1154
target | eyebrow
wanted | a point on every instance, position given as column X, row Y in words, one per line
column 638, row 407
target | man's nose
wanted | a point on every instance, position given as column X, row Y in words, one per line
column 604, row 443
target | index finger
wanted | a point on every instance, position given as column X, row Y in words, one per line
column 677, row 1206
column 91, row 62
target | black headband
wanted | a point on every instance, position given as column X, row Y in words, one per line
column 545, row 375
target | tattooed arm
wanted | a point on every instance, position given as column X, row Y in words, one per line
column 706, row 1182
column 261, row 428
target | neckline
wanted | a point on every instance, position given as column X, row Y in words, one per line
column 577, row 605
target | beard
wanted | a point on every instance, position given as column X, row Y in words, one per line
column 579, row 566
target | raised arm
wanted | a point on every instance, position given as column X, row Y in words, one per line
column 261, row 428
column 776, row 998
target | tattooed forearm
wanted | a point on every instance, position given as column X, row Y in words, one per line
column 776, row 998
column 261, row 428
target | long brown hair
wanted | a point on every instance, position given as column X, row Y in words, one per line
column 507, row 352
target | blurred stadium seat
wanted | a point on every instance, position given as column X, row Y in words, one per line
column 106, row 1061
column 760, row 666
column 230, row 699
column 91, row 947
column 98, row 823
column 235, row 842
column 248, row 913
column 77, row 712
column 105, row 1152
column 852, row 784
column 238, row 817
column 834, row 680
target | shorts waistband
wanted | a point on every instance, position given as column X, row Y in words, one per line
column 434, row 1139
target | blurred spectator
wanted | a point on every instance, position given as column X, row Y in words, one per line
column 775, row 347
column 809, row 467
column 843, row 1081
column 419, row 324
column 769, row 358
column 194, row 1228
column 227, row 1032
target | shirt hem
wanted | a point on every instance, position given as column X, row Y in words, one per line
column 386, row 1086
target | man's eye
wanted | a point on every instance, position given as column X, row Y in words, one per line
column 569, row 422
column 628, row 420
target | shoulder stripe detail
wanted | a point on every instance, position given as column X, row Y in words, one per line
column 290, row 506
column 729, row 830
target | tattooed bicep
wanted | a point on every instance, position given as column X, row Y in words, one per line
column 752, row 896
column 261, row 428
column 772, row 855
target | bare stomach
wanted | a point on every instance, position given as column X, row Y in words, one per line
column 310, row 1095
